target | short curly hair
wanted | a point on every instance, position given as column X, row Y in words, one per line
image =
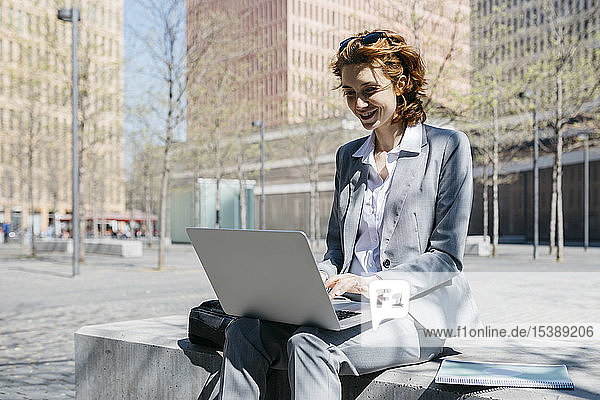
column 396, row 58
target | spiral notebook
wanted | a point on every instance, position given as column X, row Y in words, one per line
column 504, row 374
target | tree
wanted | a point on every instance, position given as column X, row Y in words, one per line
column 31, row 121
column 98, row 99
column 492, row 98
column 317, row 137
column 144, row 172
column 34, row 139
column 163, row 34
column 439, row 30
column 566, row 72
column 221, row 55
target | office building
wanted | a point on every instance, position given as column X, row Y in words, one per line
column 515, row 40
column 288, row 72
column 287, row 79
column 35, row 111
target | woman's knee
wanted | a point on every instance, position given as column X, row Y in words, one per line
column 305, row 342
column 240, row 327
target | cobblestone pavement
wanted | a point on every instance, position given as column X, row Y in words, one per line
column 41, row 305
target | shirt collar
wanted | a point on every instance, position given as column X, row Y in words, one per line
column 411, row 142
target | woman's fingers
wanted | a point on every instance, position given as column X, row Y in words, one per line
column 340, row 284
column 323, row 276
column 331, row 281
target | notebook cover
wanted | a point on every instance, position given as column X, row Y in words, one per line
column 503, row 374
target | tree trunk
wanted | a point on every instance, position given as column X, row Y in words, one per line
column 495, row 184
column 82, row 220
column 243, row 205
column 131, row 216
column 56, row 221
column 312, row 227
column 486, row 185
column 196, row 189
column 559, row 151
column 218, row 202
column 94, row 201
column 415, row 24
column 553, row 210
column 164, row 186
column 30, row 189
column 168, row 227
column 102, row 211
column 316, row 211
column 218, row 178
column 149, row 231
column 23, row 196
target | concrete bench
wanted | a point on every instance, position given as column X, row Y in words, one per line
column 477, row 245
column 123, row 248
column 153, row 359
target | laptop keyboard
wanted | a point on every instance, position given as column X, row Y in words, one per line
column 343, row 314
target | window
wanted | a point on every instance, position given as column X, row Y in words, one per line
column 19, row 17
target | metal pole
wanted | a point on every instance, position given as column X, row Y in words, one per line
column 536, row 179
column 586, row 193
column 262, row 175
column 75, row 77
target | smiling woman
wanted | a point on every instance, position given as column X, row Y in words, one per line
column 400, row 211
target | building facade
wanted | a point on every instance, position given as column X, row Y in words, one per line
column 526, row 46
column 515, row 200
column 286, row 77
column 543, row 53
column 293, row 42
column 35, row 112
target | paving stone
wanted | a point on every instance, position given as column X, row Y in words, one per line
column 41, row 305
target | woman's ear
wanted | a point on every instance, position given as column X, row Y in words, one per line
column 400, row 85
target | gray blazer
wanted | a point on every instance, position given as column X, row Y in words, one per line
column 424, row 225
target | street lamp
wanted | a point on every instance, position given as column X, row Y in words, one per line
column 536, row 173
column 586, row 189
column 261, row 124
column 72, row 15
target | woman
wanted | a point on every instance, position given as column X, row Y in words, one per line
column 401, row 208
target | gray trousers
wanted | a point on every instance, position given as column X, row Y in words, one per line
column 315, row 357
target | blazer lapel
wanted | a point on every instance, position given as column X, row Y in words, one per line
column 358, row 184
column 410, row 167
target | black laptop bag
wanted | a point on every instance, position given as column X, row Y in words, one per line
column 207, row 324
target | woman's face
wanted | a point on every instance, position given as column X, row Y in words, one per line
column 370, row 95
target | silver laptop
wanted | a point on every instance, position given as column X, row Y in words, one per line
column 271, row 275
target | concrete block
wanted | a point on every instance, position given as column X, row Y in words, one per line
column 477, row 245
column 114, row 247
column 63, row 246
column 153, row 359
column 123, row 248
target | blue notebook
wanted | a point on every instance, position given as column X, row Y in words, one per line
column 503, row 374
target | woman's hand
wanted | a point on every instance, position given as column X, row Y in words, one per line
column 339, row 284
column 323, row 276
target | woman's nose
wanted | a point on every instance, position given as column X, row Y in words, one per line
column 360, row 103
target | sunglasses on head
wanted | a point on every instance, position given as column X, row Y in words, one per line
column 366, row 39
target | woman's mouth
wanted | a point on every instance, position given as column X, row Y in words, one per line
column 365, row 116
